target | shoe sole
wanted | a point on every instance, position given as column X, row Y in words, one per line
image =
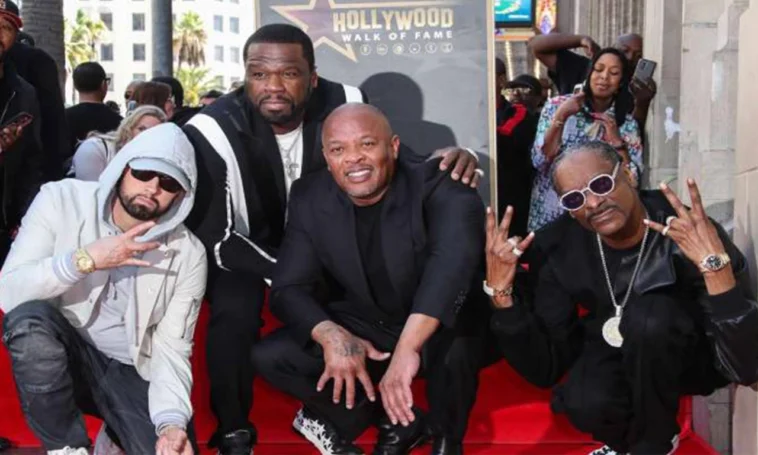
column 297, row 430
column 421, row 440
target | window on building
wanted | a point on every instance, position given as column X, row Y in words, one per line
column 107, row 19
column 234, row 54
column 218, row 81
column 112, row 82
column 218, row 53
column 234, row 1
column 138, row 22
column 106, row 52
column 139, row 77
column 218, row 23
column 234, row 24
column 138, row 52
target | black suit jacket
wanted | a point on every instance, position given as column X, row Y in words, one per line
column 250, row 142
column 432, row 232
column 543, row 341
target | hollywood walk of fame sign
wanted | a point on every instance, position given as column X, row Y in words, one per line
column 428, row 64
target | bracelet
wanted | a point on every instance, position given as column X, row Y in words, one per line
column 493, row 292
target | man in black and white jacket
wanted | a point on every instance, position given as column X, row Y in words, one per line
column 251, row 145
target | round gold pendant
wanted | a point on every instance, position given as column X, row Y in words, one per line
column 611, row 332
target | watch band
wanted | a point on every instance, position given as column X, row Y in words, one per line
column 492, row 292
column 723, row 258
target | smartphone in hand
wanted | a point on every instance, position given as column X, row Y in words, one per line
column 21, row 119
column 644, row 71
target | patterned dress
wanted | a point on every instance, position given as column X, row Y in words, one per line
column 545, row 206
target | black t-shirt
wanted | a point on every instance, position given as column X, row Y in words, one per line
column 368, row 233
column 614, row 259
column 570, row 69
column 84, row 118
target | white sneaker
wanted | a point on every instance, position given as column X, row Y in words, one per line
column 104, row 445
column 69, row 451
column 605, row 450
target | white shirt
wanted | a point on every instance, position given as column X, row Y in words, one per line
column 291, row 149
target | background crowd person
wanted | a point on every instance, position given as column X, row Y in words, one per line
column 94, row 154
column 156, row 94
column 602, row 111
column 91, row 114
column 209, row 97
column 22, row 160
column 129, row 91
column 516, row 129
column 567, row 69
column 181, row 113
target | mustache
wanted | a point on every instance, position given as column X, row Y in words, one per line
column 276, row 98
column 600, row 210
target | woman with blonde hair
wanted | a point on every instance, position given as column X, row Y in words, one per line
column 95, row 152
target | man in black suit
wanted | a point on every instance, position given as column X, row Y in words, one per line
column 669, row 307
column 377, row 261
column 250, row 146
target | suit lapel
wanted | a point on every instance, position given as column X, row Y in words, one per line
column 397, row 243
column 340, row 227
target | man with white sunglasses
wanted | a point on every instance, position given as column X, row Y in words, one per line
column 637, row 300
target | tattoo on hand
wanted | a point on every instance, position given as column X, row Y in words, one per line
column 342, row 342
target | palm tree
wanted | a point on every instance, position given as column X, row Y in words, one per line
column 195, row 82
column 189, row 40
column 81, row 40
column 43, row 20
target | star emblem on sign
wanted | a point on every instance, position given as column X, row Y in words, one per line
column 316, row 18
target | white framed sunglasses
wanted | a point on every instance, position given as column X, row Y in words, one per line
column 600, row 185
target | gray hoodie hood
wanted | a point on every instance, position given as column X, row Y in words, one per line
column 166, row 142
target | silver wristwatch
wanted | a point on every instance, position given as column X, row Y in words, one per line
column 714, row 262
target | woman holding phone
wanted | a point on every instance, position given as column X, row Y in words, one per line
column 601, row 111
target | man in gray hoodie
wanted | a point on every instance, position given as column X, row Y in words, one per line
column 101, row 290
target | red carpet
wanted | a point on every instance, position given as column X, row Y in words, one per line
column 510, row 417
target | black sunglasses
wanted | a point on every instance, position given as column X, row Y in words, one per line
column 164, row 181
column 600, row 185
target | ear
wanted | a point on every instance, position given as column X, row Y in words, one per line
column 631, row 178
column 395, row 143
column 314, row 78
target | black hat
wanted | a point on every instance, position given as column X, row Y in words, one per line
column 9, row 11
column 525, row 80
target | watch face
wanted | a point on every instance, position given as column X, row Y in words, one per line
column 713, row 262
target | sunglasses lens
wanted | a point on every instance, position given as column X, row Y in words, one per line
column 169, row 184
column 164, row 181
column 602, row 185
column 572, row 200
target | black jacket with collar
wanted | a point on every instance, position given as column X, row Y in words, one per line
column 22, row 165
column 542, row 334
column 241, row 201
column 432, row 231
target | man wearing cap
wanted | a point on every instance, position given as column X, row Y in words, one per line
column 38, row 68
column 516, row 128
column 21, row 160
column 101, row 292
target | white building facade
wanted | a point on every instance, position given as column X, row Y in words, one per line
column 125, row 50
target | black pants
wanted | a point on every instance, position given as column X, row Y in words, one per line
column 60, row 377
column 628, row 398
column 452, row 382
column 236, row 300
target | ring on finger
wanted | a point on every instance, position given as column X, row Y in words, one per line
column 517, row 252
column 670, row 220
column 665, row 231
column 479, row 172
column 513, row 241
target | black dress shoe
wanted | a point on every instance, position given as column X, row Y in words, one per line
column 4, row 444
column 238, row 442
column 323, row 435
column 444, row 446
column 399, row 440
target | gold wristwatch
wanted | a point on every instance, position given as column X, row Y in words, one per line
column 83, row 261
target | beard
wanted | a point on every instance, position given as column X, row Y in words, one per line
column 139, row 211
column 284, row 117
